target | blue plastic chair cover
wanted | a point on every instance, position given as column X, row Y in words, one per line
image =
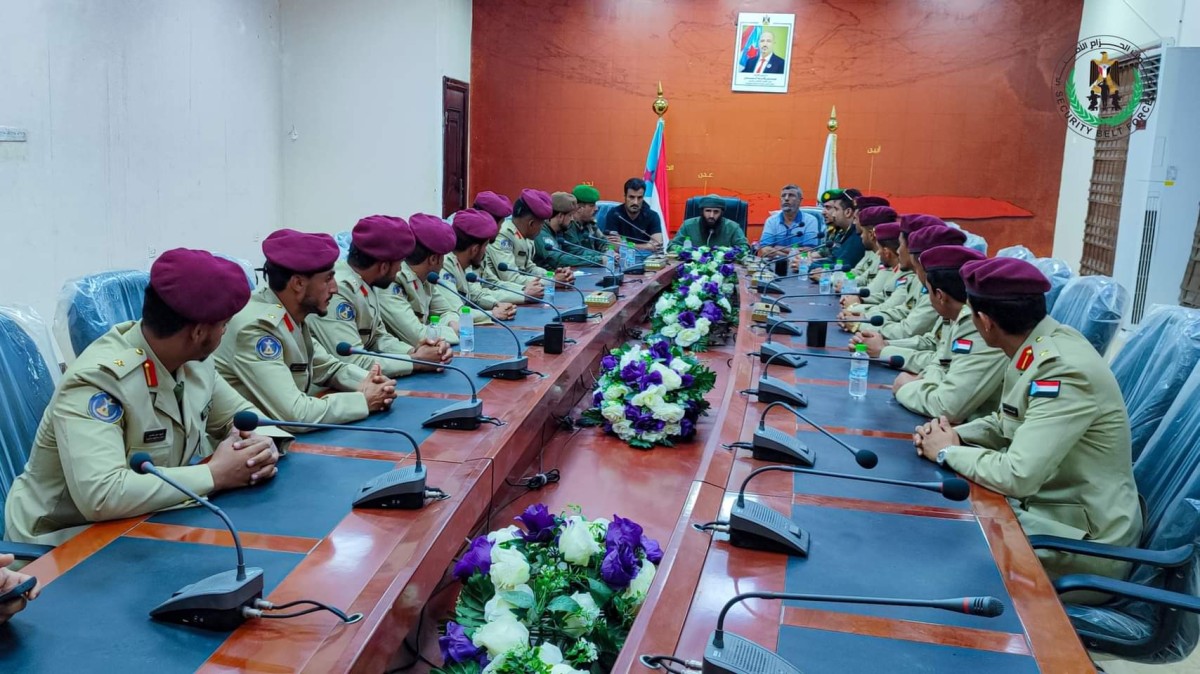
column 343, row 242
column 602, row 209
column 1058, row 273
column 247, row 268
column 974, row 241
column 90, row 306
column 1093, row 305
column 1019, row 252
column 25, row 389
column 1154, row 366
column 1172, row 454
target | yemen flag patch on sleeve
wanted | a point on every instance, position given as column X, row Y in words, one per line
column 1044, row 388
column 961, row 346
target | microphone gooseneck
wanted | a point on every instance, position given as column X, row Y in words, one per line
column 865, row 457
column 468, row 300
column 253, row 421
column 472, row 277
column 503, row 266
column 861, row 292
column 344, row 349
column 952, row 488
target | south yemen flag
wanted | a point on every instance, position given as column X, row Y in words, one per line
column 1044, row 388
column 961, row 346
column 655, row 176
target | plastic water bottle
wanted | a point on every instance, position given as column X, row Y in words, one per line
column 610, row 260
column 826, row 286
column 839, row 276
column 804, row 265
column 432, row 333
column 628, row 255
column 687, row 243
column 850, row 286
column 548, row 295
column 858, row 372
column 466, row 330
column 838, row 265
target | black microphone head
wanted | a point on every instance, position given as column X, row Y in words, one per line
column 247, row 420
column 956, row 489
column 549, row 246
column 472, row 277
column 866, row 458
column 876, row 320
column 503, row 266
column 343, row 348
column 433, row 277
column 864, row 292
column 896, row 362
column 988, row 607
column 137, row 460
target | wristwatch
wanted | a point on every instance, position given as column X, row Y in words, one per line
column 941, row 457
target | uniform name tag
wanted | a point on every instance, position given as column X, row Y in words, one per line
column 1009, row 409
column 298, row 367
column 364, row 332
column 155, row 436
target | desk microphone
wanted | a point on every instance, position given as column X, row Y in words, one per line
column 635, row 269
column 214, row 603
column 769, row 288
column 797, row 359
column 773, row 389
column 536, row 340
column 770, row 444
column 611, row 279
column 861, row 292
column 513, row 368
column 577, row 314
column 464, row 415
column 755, row 526
column 732, row 654
column 403, row 488
column 788, row 327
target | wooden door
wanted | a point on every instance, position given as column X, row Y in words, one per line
column 454, row 145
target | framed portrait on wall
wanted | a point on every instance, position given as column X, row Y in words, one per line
column 762, row 52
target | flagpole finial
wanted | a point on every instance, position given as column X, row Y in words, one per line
column 660, row 103
column 832, row 124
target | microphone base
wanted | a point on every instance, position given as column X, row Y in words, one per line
column 637, row 270
column 783, row 328
column 754, row 526
column 575, row 315
column 769, row 349
column 536, row 340
column 783, row 307
column 609, row 282
column 775, row 446
column 770, row 289
column 214, row 603
column 742, row 656
column 514, row 368
column 400, row 489
column 460, row 416
column 774, row 389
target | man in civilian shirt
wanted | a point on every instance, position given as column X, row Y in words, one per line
column 633, row 221
column 789, row 226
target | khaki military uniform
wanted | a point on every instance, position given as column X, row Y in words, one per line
column 272, row 361
column 115, row 400
column 355, row 318
column 866, row 269
column 920, row 318
column 964, row 381
column 1059, row 448
column 454, row 275
column 897, row 301
column 516, row 251
column 921, row 350
column 409, row 303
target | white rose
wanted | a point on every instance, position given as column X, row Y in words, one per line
column 671, row 319
column 693, row 302
column 631, row 355
column 688, row 337
column 641, row 583
column 509, row 568
column 613, row 413
column 671, row 329
column 726, row 288
column 680, row 365
column 703, row 324
column 672, row 429
column 500, row 636
column 497, row 608
column 671, row 380
column 580, row 623
column 652, row 394
column 623, row 429
column 668, row 412
column 503, row 535
column 724, row 304
column 663, row 304
column 577, row 544
column 616, row 392
column 550, row 654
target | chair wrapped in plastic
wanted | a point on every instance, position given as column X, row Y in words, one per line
column 26, row 387
column 1154, row 366
column 343, row 242
column 602, row 209
column 1019, row 252
column 89, row 306
column 974, row 241
column 1093, row 305
column 247, row 268
column 1058, row 273
column 1172, row 454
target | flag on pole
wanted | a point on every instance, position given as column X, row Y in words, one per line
column 750, row 36
column 829, row 176
column 656, row 179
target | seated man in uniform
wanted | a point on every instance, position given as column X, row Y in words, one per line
column 582, row 230
column 962, row 376
column 514, row 245
column 410, row 305
column 711, row 229
column 473, row 231
column 549, row 251
column 145, row 386
column 632, row 221
column 268, row 354
column 920, row 318
column 9, row 580
column 789, row 226
column 908, row 296
column 844, row 244
column 887, row 290
column 500, row 208
column 865, row 219
column 378, row 245
column 1058, row 447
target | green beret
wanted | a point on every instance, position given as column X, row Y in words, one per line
column 712, row 201
column 586, row 194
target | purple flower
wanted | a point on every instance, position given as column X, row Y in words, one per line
column 623, row 531
column 684, row 290
column 685, row 255
column 643, row 421
column 539, row 523
column 687, row 380
column 654, row 553
column 727, row 270
column 608, row 363
column 686, row 428
column 706, row 258
column 712, row 288
column 620, row 567
column 711, row 311
column 687, row 319
column 597, row 398
column 661, row 351
column 477, row 559
column 457, row 647
column 730, row 256
column 650, row 379
column 633, row 372
column 608, row 427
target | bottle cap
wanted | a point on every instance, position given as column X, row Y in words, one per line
column 464, row 310
column 860, row 348
column 433, row 320
column 850, row 275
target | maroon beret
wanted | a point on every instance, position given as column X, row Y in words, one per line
column 477, row 224
column 300, row 252
column 198, row 285
column 496, row 204
column 383, row 237
column 1003, row 277
column 539, row 203
column 935, row 235
column 433, row 232
column 913, row 221
column 949, row 257
column 876, row 215
column 869, row 201
column 888, row 231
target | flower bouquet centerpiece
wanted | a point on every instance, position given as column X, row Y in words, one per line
column 556, row 596
column 697, row 311
column 650, row 396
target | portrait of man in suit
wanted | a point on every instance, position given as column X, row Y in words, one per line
column 766, row 61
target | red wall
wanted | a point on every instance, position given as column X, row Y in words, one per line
column 956, row 93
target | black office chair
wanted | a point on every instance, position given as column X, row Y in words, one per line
column 735, row 209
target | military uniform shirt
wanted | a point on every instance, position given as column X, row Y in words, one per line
column 546, row 258
column 964, row 381
column 514, row 250
column 453, row 275
column 115, row 400
column 866, row 269
column 898, row 300
column 920, row 318
column 588, row 236
column 920, row 350
column 355, row 318
column 271, row 360
column 409, row 303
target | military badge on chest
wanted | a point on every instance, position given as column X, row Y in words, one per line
column 103, row 407
column 345, row 312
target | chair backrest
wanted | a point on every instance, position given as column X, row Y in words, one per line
column 247, row 268
column 735, row 209
column 1058, row 273
column 89, row 306
column 1093, row 305
column 1172, row 454
column 602, row 209
column 1019, row 252
column 25, row 389
column 1154, row 365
